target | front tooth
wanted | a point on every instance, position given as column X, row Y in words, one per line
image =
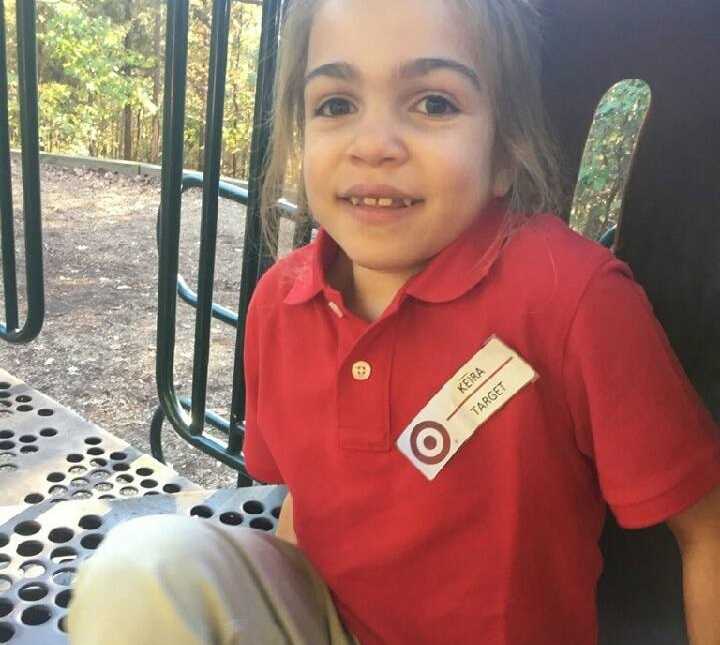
column 385, row 201
column 407, row 202
column 355, row 201
column 369, row 201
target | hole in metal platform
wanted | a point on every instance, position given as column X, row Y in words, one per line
column 7, row 631
column 46, row 412
column 151, row 492
column 23, row 398
column 57, row 490
column 90, row 522
column 55, row 477
column 93, row 441
column 34, row 498
column 28, row 438
column 4, row 395
column 7, row 445
column 118, row 455
column 92, row 541
column 128, row 491
column 24, row 408
column 81, row 494
column 63, row 598
column 29, row 449
column 103, row 486
column 5, row 607
column 201, row 511
column 4, row 385
column 262, row 523
column 171, row 488
column 8, row 467
column 231, row 517
column 63, row 554
column 6, row 434
column 61, row 535
column 36, row 615
column 62, row 623
column 30, row 548
column 29, row 527
column 125, row 479
column 4, row 539
column 33, row 591
column 275, row 512
column 64, row 577
column 120, row 467
column 99, row 475
column 7, row 457
column 77, row 469
column 4, row 561
column 48, row 432
column 79, row 481
column 144, row 472
column 100, row 463
column 32, row 569
column 253, row 507
column 75, row 458
column 107, row 496
column 95, row 451
column 5, row 404
column 148, row 483
column 5, row 583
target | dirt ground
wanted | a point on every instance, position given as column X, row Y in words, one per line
column 96, row 352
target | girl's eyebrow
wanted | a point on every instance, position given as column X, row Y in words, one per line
column 410, row 70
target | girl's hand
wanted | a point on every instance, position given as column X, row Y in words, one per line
column 285, row 530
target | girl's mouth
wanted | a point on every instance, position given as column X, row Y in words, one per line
column 379, row 210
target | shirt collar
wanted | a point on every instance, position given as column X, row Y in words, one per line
column 451, row 273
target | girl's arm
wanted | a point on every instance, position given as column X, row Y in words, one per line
column 285, row 530
column 697, row 530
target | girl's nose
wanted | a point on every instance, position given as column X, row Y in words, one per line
column 377, row 143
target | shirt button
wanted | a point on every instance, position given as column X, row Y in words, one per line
column 336, row 310
column 361, row 370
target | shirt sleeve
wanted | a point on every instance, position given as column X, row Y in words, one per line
column 655, row 446
column 258, row 458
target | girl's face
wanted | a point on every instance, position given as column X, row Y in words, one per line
column 396, row 109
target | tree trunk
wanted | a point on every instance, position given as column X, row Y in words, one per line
column 155, row 134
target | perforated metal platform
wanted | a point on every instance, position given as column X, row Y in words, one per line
column 41, row 547
column 48, row 452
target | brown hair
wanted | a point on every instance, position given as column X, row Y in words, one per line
column 509, row 54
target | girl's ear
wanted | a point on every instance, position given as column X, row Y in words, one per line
column 502, row 181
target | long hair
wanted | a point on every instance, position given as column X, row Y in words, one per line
column 508, row 53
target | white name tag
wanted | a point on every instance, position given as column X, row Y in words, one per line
column 477, row 391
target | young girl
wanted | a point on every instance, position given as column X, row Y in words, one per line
column 451, row 383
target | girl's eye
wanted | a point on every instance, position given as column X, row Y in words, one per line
column 334, row 107
column 436, row 105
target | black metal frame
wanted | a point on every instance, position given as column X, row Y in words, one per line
column 255, row 256
column 28, row 98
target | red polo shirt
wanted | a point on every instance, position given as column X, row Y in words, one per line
column 501, row 546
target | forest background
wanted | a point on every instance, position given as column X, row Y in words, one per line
column 101, row 62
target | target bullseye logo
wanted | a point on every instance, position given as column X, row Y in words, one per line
column 430, row 442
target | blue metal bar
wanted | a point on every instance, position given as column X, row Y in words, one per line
column 28, row 95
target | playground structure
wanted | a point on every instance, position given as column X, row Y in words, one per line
column 65, row 482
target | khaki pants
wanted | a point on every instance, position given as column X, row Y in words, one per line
column 186, row 581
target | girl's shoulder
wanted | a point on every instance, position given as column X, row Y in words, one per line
column 277, row 281
column 547, row 261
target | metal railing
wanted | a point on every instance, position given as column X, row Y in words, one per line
column 189, row 416
column 11, row 330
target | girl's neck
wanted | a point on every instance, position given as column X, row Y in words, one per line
column 366, row 292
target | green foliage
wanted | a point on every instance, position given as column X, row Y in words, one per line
column 100, row 66
column 607, row 157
